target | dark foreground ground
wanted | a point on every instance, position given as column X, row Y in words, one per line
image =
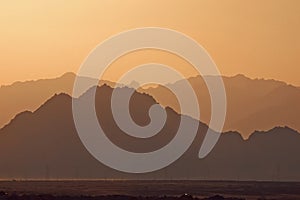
column 147, row 190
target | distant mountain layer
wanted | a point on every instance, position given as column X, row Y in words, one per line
column 253, row 104
column 30, row 95
column 44, row 144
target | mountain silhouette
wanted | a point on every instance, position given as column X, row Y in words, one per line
column 252, row 104
column 29, row 95
column 44, row 145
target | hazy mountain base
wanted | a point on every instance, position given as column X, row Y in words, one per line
column 45, row 145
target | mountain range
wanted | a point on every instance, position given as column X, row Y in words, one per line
column 44, row 145
column 252, row 104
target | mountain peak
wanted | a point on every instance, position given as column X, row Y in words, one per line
column 278, row 130
column 68, row 74
column 240, row 76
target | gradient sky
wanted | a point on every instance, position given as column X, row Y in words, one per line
column 41, row 39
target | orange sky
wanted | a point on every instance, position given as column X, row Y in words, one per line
column 40, row 39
